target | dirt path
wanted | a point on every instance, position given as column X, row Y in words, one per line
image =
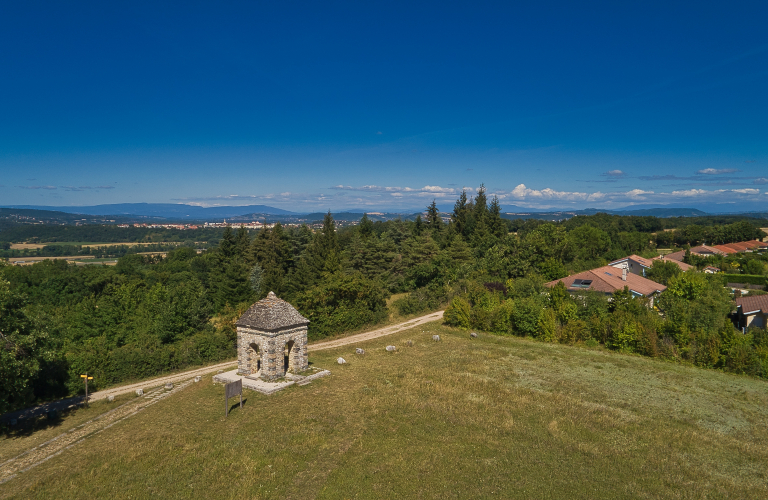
column 374, row 334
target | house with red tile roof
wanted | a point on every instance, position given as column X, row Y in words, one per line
column 682, row 265
column 742, row 247
column 608, row 280
column 639, row 265
column 634, row 264
column 752, row 311
column 726, row 249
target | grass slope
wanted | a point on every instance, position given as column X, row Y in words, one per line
column 491, row 417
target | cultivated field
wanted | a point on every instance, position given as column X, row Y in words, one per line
column 27, row 246
column 492, row 417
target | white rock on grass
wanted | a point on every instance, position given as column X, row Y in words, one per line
column 341, row 361
column 198, row 378
column 391, row 348
column 436, row 338
column 473, row 335
column 359, row 351
column 110, row 398
column 139, row 392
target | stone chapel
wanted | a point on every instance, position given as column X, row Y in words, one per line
column 271, row 340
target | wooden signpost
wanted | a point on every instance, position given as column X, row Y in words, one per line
column 231, row 390
column 86, row 378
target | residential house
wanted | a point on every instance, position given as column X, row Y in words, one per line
column 633, row 263
column 609, row 279
column 727, row 249
column 639, row 265
column 752, row 311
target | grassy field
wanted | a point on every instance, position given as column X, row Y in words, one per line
column 493, row 417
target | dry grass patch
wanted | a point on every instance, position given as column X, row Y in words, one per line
column 491, row 417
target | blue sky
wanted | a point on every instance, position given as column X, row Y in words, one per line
column 317, row 105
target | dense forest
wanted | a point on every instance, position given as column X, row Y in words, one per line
column 148, row 314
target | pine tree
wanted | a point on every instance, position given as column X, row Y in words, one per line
column 496, row 224
column 227, row 243
column 481, row 205
column 459, row 216
column 366, row 226
column 433, row 216
column 418, row 226
column 329, row 250
column 242, row 242
column 272, row 252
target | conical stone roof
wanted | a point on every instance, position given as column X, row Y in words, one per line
column 271, row 314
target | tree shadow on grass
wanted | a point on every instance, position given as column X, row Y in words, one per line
column 27, row 426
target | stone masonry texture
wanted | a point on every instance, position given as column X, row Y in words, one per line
column 264, row 332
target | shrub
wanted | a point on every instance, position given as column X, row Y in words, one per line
column 458, row 313
column 547, row 326
column 424, row 299
column 501, row 319
column 525, row 317
column 573, row 331
column 342, row 302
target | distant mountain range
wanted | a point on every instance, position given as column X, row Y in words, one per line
column 171, row 211
column 164, row 210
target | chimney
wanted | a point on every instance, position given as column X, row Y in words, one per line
column 624, row 273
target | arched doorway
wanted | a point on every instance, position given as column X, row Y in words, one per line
column 254, row 359
column 289, row 356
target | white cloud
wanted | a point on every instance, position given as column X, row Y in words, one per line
column 637, row 194
column 746, row 191
column 521, row 192
column 717, row 171
column 615, row 173
column 690, row 192
column 436, row 191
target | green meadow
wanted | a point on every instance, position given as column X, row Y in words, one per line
column 491, row 417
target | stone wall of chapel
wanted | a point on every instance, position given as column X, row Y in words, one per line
column 271, row 349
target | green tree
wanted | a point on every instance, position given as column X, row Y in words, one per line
column 496, row 224
column 23, row 351
column 227, row 245
column 366, row 227
column 418, row 226
column 662, row 271
column 459, row 216
column 689, row 285
column 433, row 217
column 272, row 252
column 242, row 242
column 342, row 302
